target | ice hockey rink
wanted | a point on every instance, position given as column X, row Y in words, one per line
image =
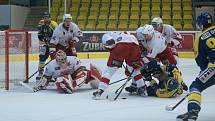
column 21, row 105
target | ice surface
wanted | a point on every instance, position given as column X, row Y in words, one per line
column 48, row 105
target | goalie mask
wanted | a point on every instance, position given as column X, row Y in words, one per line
column 61, row 58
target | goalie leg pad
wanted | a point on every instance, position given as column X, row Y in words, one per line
column 63, row 85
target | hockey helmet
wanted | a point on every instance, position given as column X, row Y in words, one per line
column 61, row 58
column 172, row 84
column 156, row 22
column 67, row 16
column 148, row 32
column 46, row 14
column 108, row 41
column 204, row 20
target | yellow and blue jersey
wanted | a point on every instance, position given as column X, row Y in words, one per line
column 204, row 48
column 45, row 31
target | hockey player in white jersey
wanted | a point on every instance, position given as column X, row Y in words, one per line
column 122, row 47
column 68, row 73
column 172, row 37
column 65, row 36
column 155, row 44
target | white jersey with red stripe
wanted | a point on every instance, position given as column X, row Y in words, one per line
column 54, row 70
column 123, row 37
column 171, row 35
column 62, row 36
column 154, row 46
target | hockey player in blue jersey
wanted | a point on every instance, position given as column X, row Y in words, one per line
column 205, row 58
column 46, row 27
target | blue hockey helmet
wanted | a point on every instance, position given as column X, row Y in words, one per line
column 204, row 20
column 172, row 84
column 46, row 14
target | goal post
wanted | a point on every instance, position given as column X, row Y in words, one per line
column 14, row 53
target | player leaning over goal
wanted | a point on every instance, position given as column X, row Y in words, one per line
column 204, row 51
column 65, row 36
column 122, row 47
column 45, row 30
column 173, row 38
column 68, row 73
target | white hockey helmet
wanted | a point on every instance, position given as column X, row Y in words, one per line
column 108, row 41
column 148, row 30
column 156, row 22
column 67, row 16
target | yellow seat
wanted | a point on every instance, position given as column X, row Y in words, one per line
column 91, row 25
column 81, row 25
column 92, row 17
column 177, row 8
column 166, row 8
column 144, row 17
column 133, row 25
column 135, row 1
column 113, row 17
column 112, row 25
column 82, row 17
column 123, row 25
column 166, row 21
column 101, row 25
column 177, row 26
column 124, row 8
column 188, row 26
column 188, row 17
column 102, row 17
column 115, row 1
column 134, row 17
column 96, row 1
column 168, row 17
column 135, row 8
column 177, row 17
column 123, row 17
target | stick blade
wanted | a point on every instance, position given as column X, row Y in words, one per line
column 169, row 108
column 26, row 86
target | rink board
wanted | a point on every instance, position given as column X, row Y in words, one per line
column 95, row 55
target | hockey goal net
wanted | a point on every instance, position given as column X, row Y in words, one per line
column 14, row 51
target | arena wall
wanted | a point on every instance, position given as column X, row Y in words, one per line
column 92, row 47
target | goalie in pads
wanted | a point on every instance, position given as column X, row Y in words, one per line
column 68, row 73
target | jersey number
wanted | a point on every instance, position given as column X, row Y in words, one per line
column 211, row 43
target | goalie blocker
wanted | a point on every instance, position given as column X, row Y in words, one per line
column 68, row 74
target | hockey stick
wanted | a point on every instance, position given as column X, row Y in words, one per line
column 171, row 108
column 26, row 81
column 123, row 86
column 118, row 81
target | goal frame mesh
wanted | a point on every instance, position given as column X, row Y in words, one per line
column 7, row 55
